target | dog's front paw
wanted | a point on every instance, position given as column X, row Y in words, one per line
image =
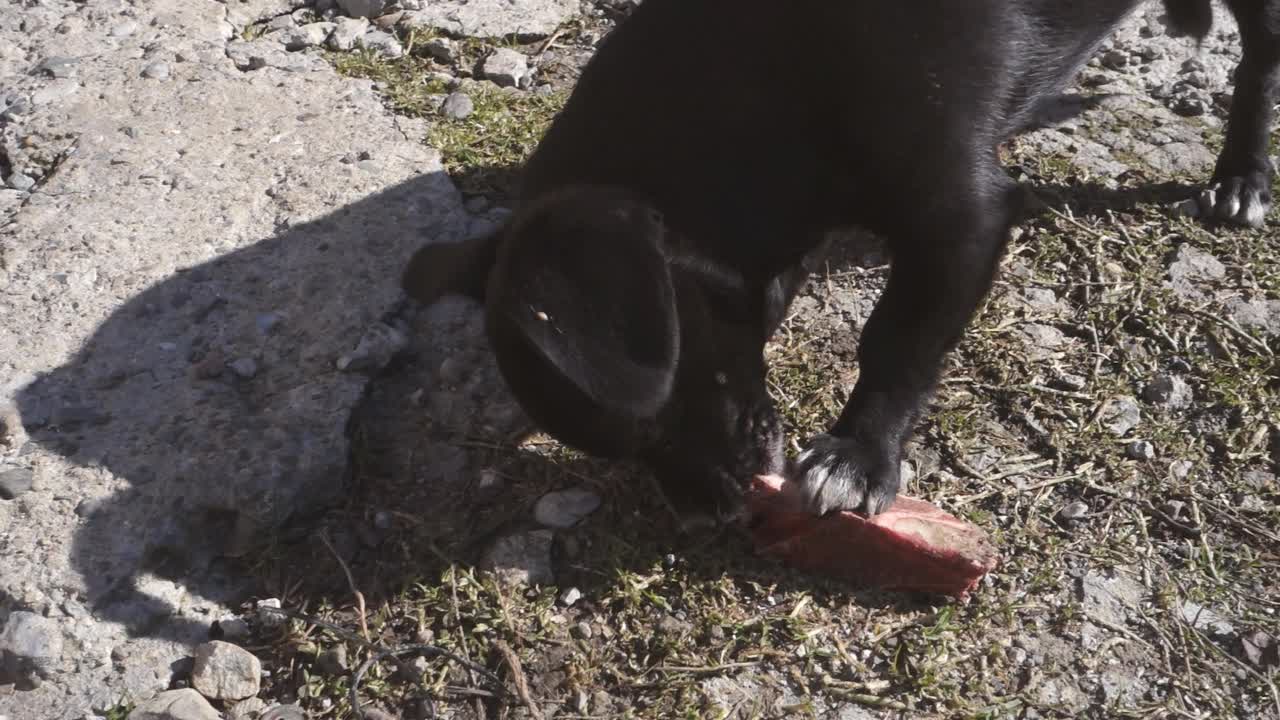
column 836, row 473
column 1241, row 199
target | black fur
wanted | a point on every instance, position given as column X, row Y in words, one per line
column 708, row 146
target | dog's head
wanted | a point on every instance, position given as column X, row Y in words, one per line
column 616, row 339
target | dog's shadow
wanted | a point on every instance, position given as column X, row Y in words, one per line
column 210, row 406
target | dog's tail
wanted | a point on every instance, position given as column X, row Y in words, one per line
column 1190, row 17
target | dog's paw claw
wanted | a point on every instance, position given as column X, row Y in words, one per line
column 836, row 473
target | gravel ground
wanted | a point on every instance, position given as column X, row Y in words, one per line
column 1111, row 418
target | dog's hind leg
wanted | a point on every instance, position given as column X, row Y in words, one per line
column 943, row 259
column 1240, row 190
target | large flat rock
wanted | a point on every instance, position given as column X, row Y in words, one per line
column 202, row 245
column 493, row 18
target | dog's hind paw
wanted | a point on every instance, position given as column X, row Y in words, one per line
column 836, row 473
column 1243, row 200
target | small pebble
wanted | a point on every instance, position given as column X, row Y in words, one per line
column 383, row 520
column 57, row 67
column 1077, row 510
column 1140, row 450
column 21, row 181
column 269, row 619
column 267, row 322
column 156, row 71
column 581, row 631
column 224, row 671
column 570, row 597
column 457, row 106
column 15, row 482
column 565, row 508
column 124, row 29
column 245, row 368
column 442, row 49
column 505, row 67
column 233, row 628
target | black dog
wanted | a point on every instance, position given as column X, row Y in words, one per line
column 709, row 146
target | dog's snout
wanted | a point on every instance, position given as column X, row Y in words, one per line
column 761, row 437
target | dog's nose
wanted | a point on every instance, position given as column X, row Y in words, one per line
column 762, row 434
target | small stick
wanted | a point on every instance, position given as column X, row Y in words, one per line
column 518, row 678
column 351, row 582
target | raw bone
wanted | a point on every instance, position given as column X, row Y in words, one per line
column 911, row 546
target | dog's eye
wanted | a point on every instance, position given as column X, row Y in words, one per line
column 722, row 379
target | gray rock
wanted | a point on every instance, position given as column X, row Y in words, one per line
column 287, row 712
column 21, row 181
column 363, row 8
column 57, row 67
column 1123, row 685
column 281, row 23
column 1140, row 450
column 1107, row 597
column 124, row 28
column 30, row 645
column 184, row 704
column 1260, row 649
column 306, row 36
column 345, row 33
column 1042, row 341
column 247, row 709
column 1260, row 480
column 380, row 343
column 493, row 18
column 267, row 53
column 268, row 619
column 1063, row 694
column 565, row 508
column 156, row 71
column 581, row 630
column 1121, row 414
column 333, row 661
column 457, row 106
column 233, row 628
column 505, row 67
column 1077, row 510
column 570, row 597
column 245, row 368
column 15, row 482
column 1191, row 102
column 1193, row 269
column 1259, row 314
column 224, row 671
column 59, row 89
column 1206, row 620
column 383, row 43
column 1168, row 391
column 522, row 559
column 442, row 49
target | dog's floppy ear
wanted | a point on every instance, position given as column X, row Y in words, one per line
column 582, row 304
column 451, row 268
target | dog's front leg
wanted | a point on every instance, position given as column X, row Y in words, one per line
column 942, row 267
column 1240, row 190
